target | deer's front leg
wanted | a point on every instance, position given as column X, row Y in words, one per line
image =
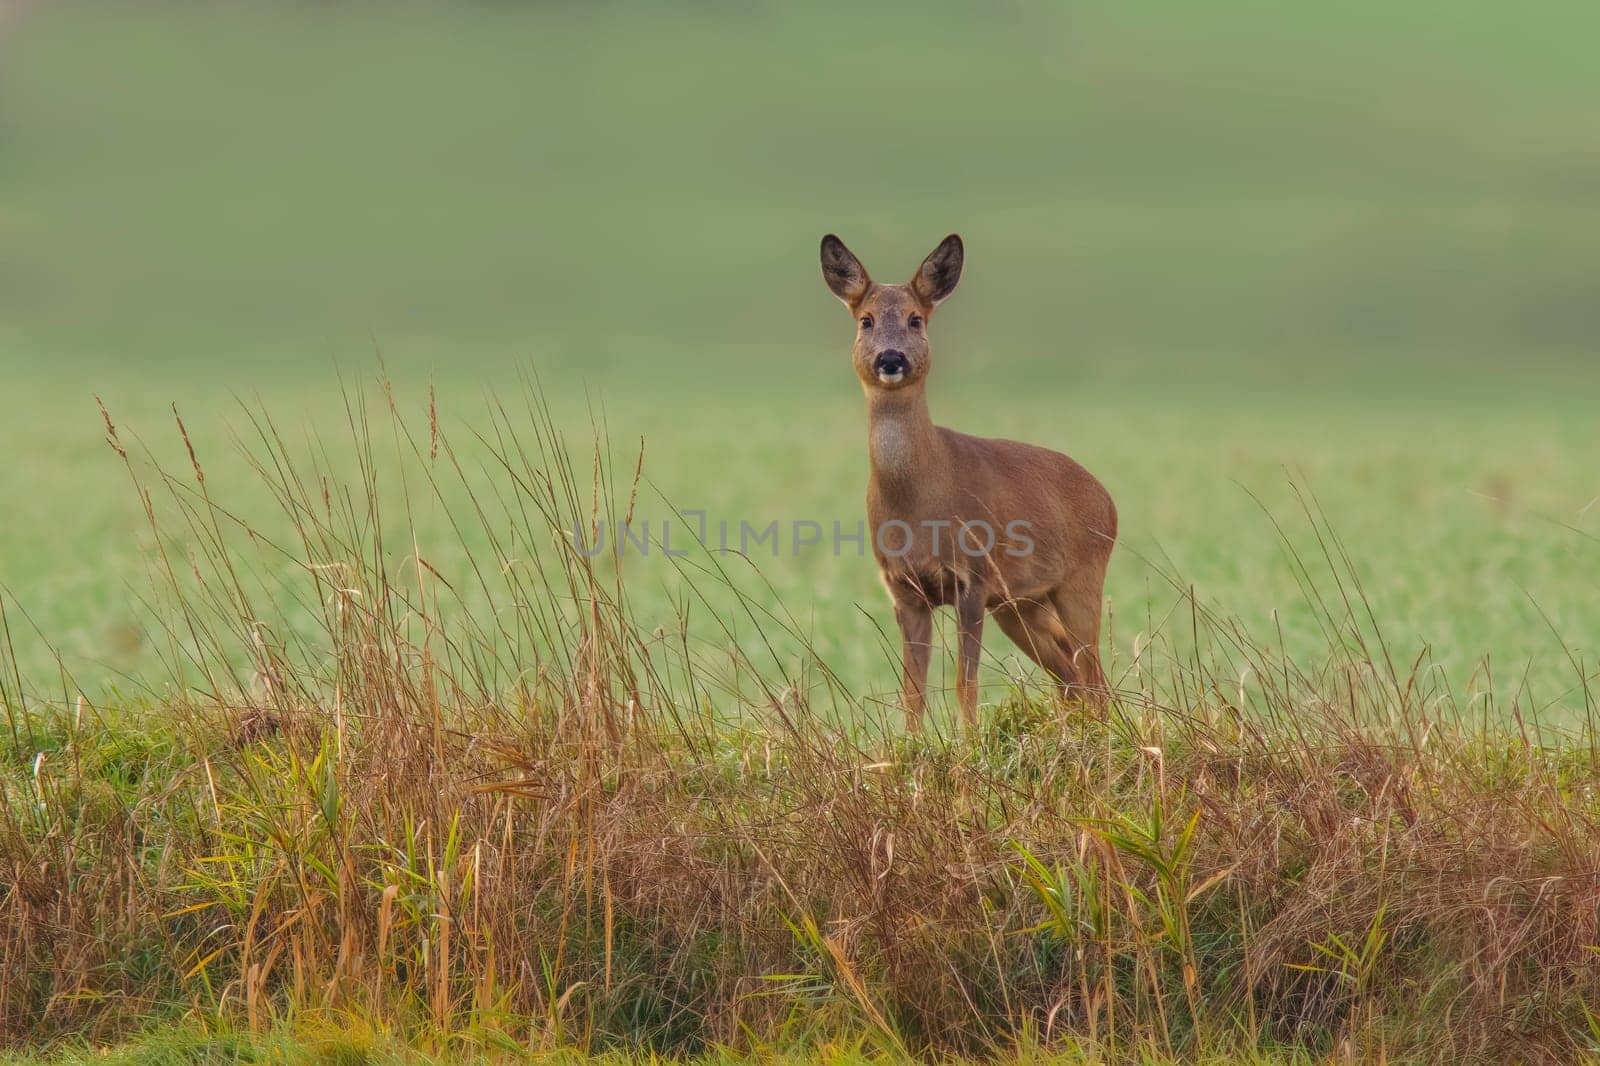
column 915, row 619
column 971, row 601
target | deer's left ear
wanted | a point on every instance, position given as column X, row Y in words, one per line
column 936, row 278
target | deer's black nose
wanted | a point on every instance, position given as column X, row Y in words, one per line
column 890, row 364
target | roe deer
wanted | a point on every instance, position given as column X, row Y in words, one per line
column 1026, row 532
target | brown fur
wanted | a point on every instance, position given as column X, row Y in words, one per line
column 1047, row 599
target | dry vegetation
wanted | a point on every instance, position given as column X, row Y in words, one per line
column 542, row 826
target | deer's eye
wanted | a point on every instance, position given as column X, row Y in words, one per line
column 866, row 321
column 915, row 321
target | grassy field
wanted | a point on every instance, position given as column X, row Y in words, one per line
column 1204, row 258
column 1277, row 276
column 1469, row 526
column 541, row 824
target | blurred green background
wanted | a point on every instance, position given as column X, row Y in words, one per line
column 1208, row 245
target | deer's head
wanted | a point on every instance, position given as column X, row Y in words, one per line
column 891, row 349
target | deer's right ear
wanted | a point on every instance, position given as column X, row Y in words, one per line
column 939, row 274
column 843, row 272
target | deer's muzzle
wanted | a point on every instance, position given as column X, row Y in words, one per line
column 890, row 366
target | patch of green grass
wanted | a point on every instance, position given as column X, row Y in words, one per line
column 328, row 1046
column 1473, row 529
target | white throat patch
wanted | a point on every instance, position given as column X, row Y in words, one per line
column 891, row 445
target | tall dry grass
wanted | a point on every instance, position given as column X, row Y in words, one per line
column 484, row 808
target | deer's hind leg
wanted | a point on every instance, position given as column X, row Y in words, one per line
column 1078, row 604
column 1034, row 627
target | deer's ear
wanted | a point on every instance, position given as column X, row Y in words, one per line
column 936, row 278
column 843, row 272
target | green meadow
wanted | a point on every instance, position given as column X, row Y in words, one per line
column 1209, row 257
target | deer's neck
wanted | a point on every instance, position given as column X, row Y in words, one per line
column 901, row 440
